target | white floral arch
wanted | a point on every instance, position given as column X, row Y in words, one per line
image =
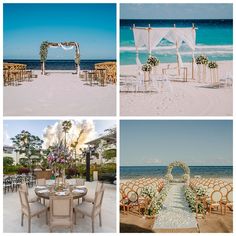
column 182, row 165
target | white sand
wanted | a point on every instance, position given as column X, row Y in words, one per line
column 59, row 94
column 187, row 99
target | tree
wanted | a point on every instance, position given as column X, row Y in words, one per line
column 8, row 161
column 27, row 144
column 109, row 154
column 66, row 126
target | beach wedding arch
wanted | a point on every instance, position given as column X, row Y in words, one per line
column 182, row 165
column 64, row 45
column 149, row 38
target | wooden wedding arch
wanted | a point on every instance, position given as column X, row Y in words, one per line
column 65, row 45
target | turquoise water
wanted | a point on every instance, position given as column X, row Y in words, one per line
column 213, row 38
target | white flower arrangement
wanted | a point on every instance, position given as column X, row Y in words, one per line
column 153, row 61
column 146, row 67
column 200, row 191
column 191, row 199
column 157, row 202
column 180, row 164
column 212, row 65
column 202, row 60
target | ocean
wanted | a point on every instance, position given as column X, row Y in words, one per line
column 58, row 64
column 214, row 38
column 133, row 172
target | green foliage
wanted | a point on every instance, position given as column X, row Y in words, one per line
column 43, row 51
column 191, row 199
column 27, row 144
column 11, row 170
column 109, row 154
column 24, row 162
column 44, row 164
column 66, row 125
column 8, row 161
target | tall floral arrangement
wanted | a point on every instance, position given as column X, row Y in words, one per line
column 60, row 158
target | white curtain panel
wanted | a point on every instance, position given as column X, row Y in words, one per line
column 156, row 35
column 65, row 47
column 140, row 37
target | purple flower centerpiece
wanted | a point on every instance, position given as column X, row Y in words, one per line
column 59, row 159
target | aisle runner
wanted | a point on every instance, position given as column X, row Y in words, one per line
column 175, row 214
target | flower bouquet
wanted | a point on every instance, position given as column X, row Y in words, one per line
column 202, row 62
column 59, row 159
column 212, row 65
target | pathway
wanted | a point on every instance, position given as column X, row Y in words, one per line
column 175, row 213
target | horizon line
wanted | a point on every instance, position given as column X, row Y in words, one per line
column 176, row 19
column 170, row 162
column 63, row 59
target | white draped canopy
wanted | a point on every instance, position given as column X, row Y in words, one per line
column 151, row 37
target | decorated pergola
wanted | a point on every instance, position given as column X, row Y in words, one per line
column 149, row 38
column 64, row 45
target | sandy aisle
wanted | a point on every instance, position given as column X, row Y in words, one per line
column 61, row 94
column 187, row 99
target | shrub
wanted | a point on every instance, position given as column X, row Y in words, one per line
column 71, row 172
column 8, row 161
column 109, row 154
column 23, row 170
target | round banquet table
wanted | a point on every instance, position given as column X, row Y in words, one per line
column 46, row 195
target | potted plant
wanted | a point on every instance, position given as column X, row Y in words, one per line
column 146, row 68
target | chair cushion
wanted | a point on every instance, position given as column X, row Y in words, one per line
column 88, row 198
column 85, row 208
column 36, row 208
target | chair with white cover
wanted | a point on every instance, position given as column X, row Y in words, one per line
column 91, row 209
column 30, row 209
column 61, row 212
column 215, row 201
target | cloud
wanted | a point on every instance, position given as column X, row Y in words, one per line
column 6, row 137
column 53, row 134
column 153, row 161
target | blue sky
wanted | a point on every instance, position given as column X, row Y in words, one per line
column 36, row 127
column 157, row 143
column 93, row 26
column 176, row 11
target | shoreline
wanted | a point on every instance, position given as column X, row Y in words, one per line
column 228, row 179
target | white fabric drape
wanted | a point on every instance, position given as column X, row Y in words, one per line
column 140, row 37
column 156, row 35
column 65, row 47
column 51, row 46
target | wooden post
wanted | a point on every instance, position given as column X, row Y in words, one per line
column 193, row 27
column 176, row 43
column 149, row 46
column 43, row 68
